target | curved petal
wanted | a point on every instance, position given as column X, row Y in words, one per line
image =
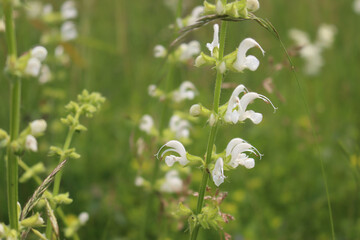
column 247, row 98
column 252, row 62
column 177, row 146
column 232, row 144
column 218, row 172
column 255, row 117
column 241, row 59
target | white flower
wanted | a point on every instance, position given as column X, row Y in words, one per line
column 299, row 37
column 236, row 149
column 195, row 14
column 195, row 110
column 187, row 90
column 236, row 110
column 68, row 10
column 325, row 36
column 356, row 6
column 45, row 74
column 68, row 31
column 140, row 146
column 2, row 26
column 220, row 8
column 172, row 182
column 242, row 61
column 311, row 53
column 38, row 127
column 187, row 51
column 47, row 9
column 176, row 147
column 33, row 9
column 139, row 181
column 31, row 143
column 160, row 51
column 252, row 5
column 215, row 42
column 83, row 218
column 39, row 52
column 152, row 90
column 218, row 172
column 179, row 126
column 33, row 67
column 59, row 51
column 146, row 123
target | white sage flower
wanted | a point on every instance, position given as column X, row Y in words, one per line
column 83, row 218
column 38, row 127
column 215, row 42
column 326, row 35
column 33, row 67
column 39, row 52
column 180, row 127
column 139, row 181
column 300, row 38
column 237, row 149
column 152, row 90
column 146, row 123
column 188, row 50
column 68, row 31
column 187, row 90
column 236, row 110
column 175, row 147
column 252, row 5
column 356, row 6
column 247, row 62
column 311, row 53
column 68, row 10
column 173, row 182
column 34, row 9
column 31, row 143
column 195, row 14
column 218, row 172
column 160, row 51
column 45, row 74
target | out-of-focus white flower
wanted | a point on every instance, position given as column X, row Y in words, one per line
column 179, row 126
column 160, row 51
column 152, row 90
column 2, row 26
column 195, row 14
column 325, row 36
column 68, row 31
column 218, row 172
column 236, row 110
column 187, row 51
column 172, row 183
column 83, row 218
column 220, row 7
column 59, row 51
column 187, row 90
column 33, row 9
column 146, row 123
column 31, row 143
column 39, row 52
column 311, row 53
column 247, row 62
column 356, row 6
column 176, row 147
column 47, row 9
column 33, row 67
column 68, row 10
column 300, row 38
column 237, row 149
column 139, row 181
column 252, row 5
column 38, row 127
column 215, row 42
column 45, row 74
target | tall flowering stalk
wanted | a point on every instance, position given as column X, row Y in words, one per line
column 238, row 151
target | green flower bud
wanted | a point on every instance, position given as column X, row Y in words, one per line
column 33, row 221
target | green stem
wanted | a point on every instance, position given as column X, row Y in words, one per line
column 15, row 101
column 58, row 176
column 210, row 145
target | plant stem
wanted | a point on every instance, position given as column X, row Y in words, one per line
column 210, row 145
column 15, row 101
column 57, row 180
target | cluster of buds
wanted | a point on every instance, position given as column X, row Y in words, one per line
column 234, row 9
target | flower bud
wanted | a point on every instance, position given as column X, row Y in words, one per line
column 33, row 221
column 199, row 61
column 252, row 5
column 222, row 67
column 33, row 67
column 31, row 143
column 39, row 52
column 83, row 218
column 195, row 110
column 38, row 127
column 212, row 120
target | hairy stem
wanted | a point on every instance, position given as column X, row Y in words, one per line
column 15, row 101
column 211, row 140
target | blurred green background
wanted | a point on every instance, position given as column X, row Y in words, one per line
column 283, row 197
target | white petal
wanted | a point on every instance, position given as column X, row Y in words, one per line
column 83, row 218
column 252, row 63
column 249, row 163
column 215, row 42
column 253, row 116
column 252, row 5
column 232, row 144
column 170, row 160
column 38, row 126
column 235, row 117
column 39, row 52
column 218, row 172
column 33, row 67
column 241, row 60
column 31, row 143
